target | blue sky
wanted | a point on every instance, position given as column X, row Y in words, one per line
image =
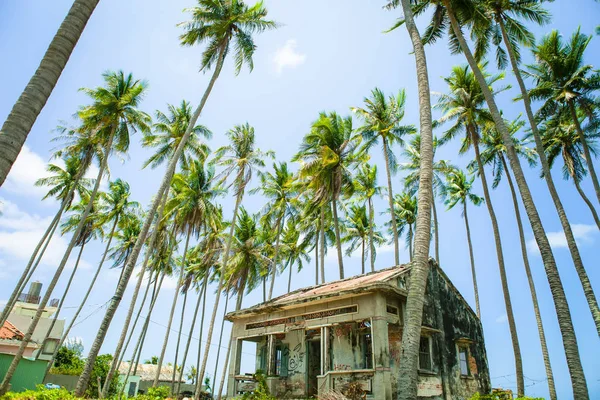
column 326, row 56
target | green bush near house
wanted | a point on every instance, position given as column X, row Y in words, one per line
column 261, row 392
column 156, row 393
column 67, row 362
column 500, row 396
column 41, row 393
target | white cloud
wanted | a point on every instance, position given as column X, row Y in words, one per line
column 29, row 167
column 287, row 56
column 502, row 319
column 20, row 233
column 583, row 233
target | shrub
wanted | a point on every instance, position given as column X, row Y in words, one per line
column 67, row 362
column 155, row 393
column 41, row 393
column 101, row 367
column 332, row 395
column 261, row 392
column 501, row 396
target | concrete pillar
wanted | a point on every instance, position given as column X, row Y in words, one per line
column 270, row 355
column 234, row 367
column 382, row 386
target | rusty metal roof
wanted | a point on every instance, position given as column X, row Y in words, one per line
column 326, row 289
column 10, row 332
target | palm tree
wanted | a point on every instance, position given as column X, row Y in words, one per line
column 191, row 206
column 18, row 124
column 327, row 154
column 295, row 248
column 162, row 263
column 244, row 272
column 281, row 189
column 412, row 153
column 494, row 153
column 459, row 190
column 446, row 16
column 91, row 230
column 405, row 212
column 200, row 272
column 562, row 79
column 168, row 133
column 358, row 232
column 219, row 23
column 241, row 159
column 383, row 118
column 113, row 114
column 113, row 206
column 465, row 105
column 560, row 137
column 63, row 183
column 411, row 335
column 559, row 78
column 365, row 187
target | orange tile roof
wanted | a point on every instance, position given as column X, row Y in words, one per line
column 338, row 286
column 9, row 331
column 325, row 290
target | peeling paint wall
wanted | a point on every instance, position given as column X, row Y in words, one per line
column 459, row 322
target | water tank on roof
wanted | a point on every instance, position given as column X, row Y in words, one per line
column 35, row 289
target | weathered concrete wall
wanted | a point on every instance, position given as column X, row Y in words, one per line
column 459, row 321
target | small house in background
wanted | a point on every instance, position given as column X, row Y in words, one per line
column 349, row 333
column 10, row 340
column 144, row 379
column 24, row 311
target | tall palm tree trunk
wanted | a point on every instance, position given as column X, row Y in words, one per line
column 85, row 298
column 189, row 340
column 411, row 334
column 436, row 235
column 137, row 317
column 178, row 342
column 238, row 306
column 173, row 306
column 211, row 326
column 112, row 309
column 362, row 257
column 38, row 314
column 291, row 266
column 117, row 354
column 137, row 351
column 338, row 237
column 586, row 150
column 371, row 240
column 503, row 278
column 276, row 256
column 200, row 333
column 220, row 341
column 472, row 258
column 391, row 201
column 317, row 257
column 563, row 312
column 19, row 122
column 62, row 300
column 410, row 241
column 587, row 202
column 322, row 244
column 534, row 300
column 571, row 243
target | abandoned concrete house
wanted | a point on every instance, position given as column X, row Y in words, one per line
column 324, row 337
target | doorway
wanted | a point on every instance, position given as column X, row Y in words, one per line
column 313, row 365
